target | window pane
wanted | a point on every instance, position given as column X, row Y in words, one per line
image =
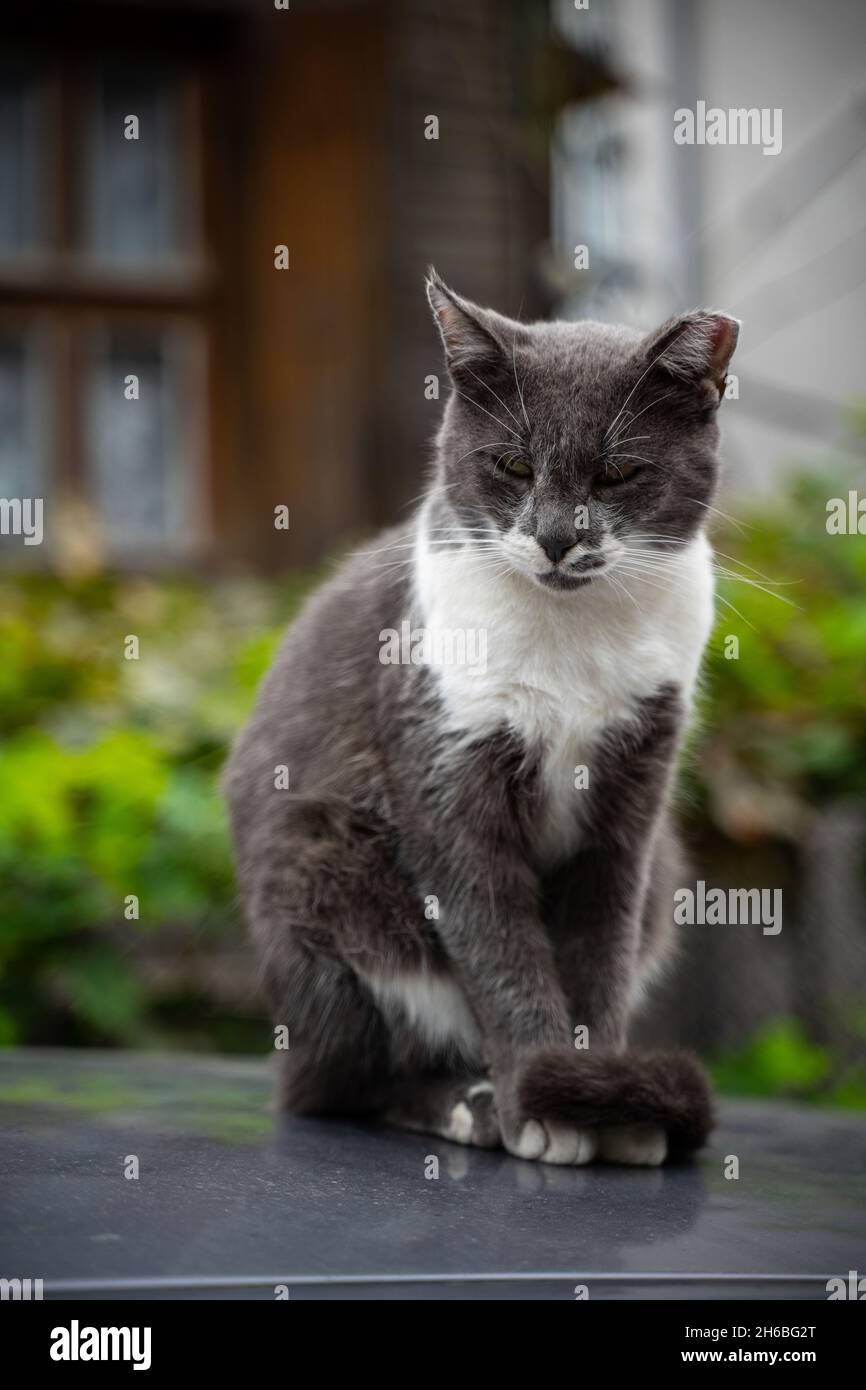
column 22, row 419
column 138, row 478
column 19, row 212
column 136, row 211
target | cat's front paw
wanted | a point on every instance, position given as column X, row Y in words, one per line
column 638, row 1108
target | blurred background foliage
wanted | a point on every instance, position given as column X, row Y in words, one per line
column 110, row 767
column 109, row 771
column 784, row 725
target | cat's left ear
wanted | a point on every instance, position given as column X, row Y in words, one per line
column 694, row 347
column 478, row 342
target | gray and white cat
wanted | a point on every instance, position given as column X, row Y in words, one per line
column 464, row 891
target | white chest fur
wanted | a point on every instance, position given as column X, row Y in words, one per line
column 561, row 668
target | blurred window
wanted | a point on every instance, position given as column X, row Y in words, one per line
column 137, row 199
column 22, row 417
column 102, row 279
column 589, row 204
column 20, row 211
column 136, row 441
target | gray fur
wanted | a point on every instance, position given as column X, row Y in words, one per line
column 388, row 806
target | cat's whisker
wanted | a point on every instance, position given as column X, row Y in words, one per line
column 648, row 553
column 653, row 463
column 636, row 564
column 458, row 532
column 644, row 570
column 460, row 542
column 646, row 578
column 673, row 545
column 742, row 526
column 474, row 538
column 470, row 538
column 637, row 414
column 621, row 588
column 392, row 566
column 655, row 536
column 725, row 571
column 517, row 383
column 500, row 570
column 753, row 584
column 492, row 444
column 479, row 406
column 752, row 569
column 438, row 487
column 389, row 551
column 633, row 438
column 650, row 557
column 489, row 388
column 641, row 575
column 720, row 598
column 459, row 529
column 651, row 364
column 648, row 563
column 466, row 543
column 644, row 544
column 409, row 560
column 503, row 459
column 643, row 458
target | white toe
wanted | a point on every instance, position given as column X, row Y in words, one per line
column 565, row 1144
column 644, row 1145
column 532, row 1140
column 460, row 1123
column 587, row 1148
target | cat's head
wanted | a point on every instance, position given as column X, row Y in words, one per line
column 569, row 449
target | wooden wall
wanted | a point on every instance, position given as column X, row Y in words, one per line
column 305, row 172
column 333, row 161
column 463, row 202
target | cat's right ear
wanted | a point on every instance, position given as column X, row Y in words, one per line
column 695, row 347
column 476, row 340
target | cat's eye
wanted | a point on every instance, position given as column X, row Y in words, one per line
column 617, row 471
column 518, row 468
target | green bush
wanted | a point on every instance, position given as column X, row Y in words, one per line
column 787, row 720
column 780, row 1060
column 108, row 769
column 783, row 731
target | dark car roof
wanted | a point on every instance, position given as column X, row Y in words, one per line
column 233, row 1201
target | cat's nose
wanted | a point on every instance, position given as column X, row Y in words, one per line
column 555, row 544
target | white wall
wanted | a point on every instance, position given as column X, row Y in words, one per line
column 783, row 241
column 779, row 241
